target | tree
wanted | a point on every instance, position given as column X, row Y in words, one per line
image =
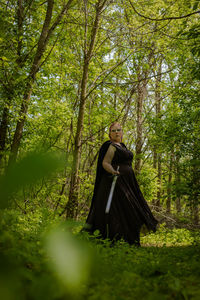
column 29, row 62
column 89, row 44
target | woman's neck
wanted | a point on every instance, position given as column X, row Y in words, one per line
column 115, row 142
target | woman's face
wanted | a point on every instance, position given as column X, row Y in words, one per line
column 116, row 133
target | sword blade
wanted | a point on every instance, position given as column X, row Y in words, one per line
column 111, row 193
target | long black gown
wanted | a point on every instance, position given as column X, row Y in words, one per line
column 129, row 210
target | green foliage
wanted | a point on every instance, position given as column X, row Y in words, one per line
column 46, row 257
column 148, row 183
column 86, row 191
column 29, row 170
column 176, row 237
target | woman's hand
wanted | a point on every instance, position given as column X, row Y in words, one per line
column 115, row 172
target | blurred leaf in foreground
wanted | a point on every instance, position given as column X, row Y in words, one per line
column 70, row 259
column 28, row 170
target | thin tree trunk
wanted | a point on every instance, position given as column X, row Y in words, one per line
column 61, row 193
column 141, row 93
column 178, row 180
column 20, row 125
column 20, row 19
column 168, row 202
column 127, row 105
column 159, row 191
column 196, row 214
column 195, row 183
column 158, row 116
column 72, row 205
column 142, row 77
column 155, row 160
column 3, row 131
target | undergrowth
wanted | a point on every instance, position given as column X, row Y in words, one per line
column 43, row 257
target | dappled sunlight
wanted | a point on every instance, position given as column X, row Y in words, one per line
column 165, row 237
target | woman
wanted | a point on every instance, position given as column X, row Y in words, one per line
column 129, row 210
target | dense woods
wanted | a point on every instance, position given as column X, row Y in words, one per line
column 68, row 70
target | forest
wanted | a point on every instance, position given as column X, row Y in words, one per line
column 68, row 70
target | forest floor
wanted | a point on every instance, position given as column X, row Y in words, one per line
column 44, row 258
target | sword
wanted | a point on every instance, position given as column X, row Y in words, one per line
column 111, row 193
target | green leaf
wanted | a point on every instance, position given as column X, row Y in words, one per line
column 196, row 4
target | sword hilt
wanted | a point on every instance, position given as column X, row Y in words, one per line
column 117, row 171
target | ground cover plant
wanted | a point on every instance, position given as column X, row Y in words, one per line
column 44, row 258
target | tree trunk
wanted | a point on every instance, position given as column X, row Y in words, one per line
column 196, row 214
column 178, row 180
column 142, row 77
column 3, row 131
column 20, row 19
column 155, row 160
column 20, row 125
column 195, row 183
column 158, row 116
column 159, row 191
column 72, row 205
column 127, row 105
column 168, row 202
column 141, row 93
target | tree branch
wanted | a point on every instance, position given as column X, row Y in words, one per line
column 109, row 72
column 162, row 19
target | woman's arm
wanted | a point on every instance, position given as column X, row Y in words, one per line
column 108, row 159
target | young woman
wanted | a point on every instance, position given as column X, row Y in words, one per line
column 128, row 210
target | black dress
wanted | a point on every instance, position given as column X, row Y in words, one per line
column 129, row 210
